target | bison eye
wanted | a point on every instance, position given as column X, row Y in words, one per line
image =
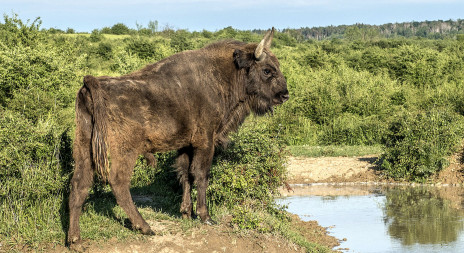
column 267, row 72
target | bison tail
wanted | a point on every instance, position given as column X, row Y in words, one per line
column 99, row 132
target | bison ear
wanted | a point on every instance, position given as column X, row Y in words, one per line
column 265, row 43
column 241, row 59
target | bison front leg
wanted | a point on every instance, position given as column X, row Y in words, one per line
column 183, row 173
column 201, row 164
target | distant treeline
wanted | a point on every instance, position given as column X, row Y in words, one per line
column 438, row 29
column 425, row 29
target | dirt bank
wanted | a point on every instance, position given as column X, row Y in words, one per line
column 171, row 238
column 303, row 170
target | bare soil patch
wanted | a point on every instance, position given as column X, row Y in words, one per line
column 171, row 238
column 454, row 173
column 304, row 170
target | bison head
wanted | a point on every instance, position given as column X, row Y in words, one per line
column 265, row 83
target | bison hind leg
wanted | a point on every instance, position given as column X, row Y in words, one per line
column 82, row 178
column 121, row 171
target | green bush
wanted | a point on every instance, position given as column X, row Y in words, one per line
column 352, row 129
column 119, row 29
column 246, row 175
column 96, row 36
column 180, row 41
column 460, row 37
column 104, row 50
column 125, row 62
column 35, row 168
column 38, row 80
column 146, row 49
column 417, row 143
column 17, row 33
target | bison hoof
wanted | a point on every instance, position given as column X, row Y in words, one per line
column 210, row 222
column 188, row 216
column 147, row 231
column 77, row 246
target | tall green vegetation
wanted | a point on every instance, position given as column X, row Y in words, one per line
column 404, row 94
column 37, row 85
column 358, row 92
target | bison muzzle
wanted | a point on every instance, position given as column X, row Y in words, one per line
column 188, row 102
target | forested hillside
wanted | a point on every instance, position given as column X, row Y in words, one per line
column 404, row 94
column 424, row 29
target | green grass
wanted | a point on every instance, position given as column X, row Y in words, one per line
column 102, row 219
column 319, row 151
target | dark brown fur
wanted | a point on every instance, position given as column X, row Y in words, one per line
column 188, row 102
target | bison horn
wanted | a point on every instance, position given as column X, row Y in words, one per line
column 265, row 43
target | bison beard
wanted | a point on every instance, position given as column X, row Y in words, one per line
column 188, row 102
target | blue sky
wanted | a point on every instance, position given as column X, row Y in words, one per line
column 212, row 15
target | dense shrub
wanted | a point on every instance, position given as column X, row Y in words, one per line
column 35, row 168
column 125, row 62
column 17, row 33
column 35, row 159
column 418, row 143
column 352, row 129
column 146, row 49
column 246, row 175
column 180, row 41
column 37, row 90
column 38, row 80
column 104, row 50
column 119, row 29
column 96, row 36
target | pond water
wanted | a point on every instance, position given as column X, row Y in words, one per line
column 385, row 219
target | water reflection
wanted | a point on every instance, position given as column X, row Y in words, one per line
column 421, row 215
column 386, row 219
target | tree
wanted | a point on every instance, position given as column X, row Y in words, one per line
column 153, row 26
column 119, row 29
column 460, row 37
column 96, row 35
column 363, row 33
column 180, row 41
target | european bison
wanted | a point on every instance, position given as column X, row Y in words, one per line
column 188, row 102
